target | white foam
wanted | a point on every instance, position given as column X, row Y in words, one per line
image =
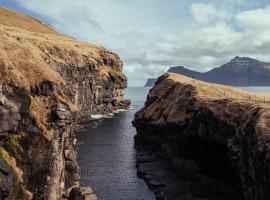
column 110, row 115
column 97, row 116
column 123, row 110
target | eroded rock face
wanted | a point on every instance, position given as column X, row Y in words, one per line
column 219, row 148
column 92, row 91
column 47, row 82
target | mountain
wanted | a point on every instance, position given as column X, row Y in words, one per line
column 184, row 71
column 150, row 82
column 240, row 71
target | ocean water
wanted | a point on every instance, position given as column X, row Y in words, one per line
column 107, row 155
column 258, row 90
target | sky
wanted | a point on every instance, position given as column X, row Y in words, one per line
column 152, row 35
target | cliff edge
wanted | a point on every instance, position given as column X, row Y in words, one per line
column 215, row 139
column 49, row 80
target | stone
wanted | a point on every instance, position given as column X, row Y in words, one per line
column 4, row 167
column 82, row 193
column 7, row 183
column 70, row 154
column 9, row 119
column 72, row 166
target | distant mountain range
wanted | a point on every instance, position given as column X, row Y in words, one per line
column 240, row 71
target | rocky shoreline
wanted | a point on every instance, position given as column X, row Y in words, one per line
column 48, row 82
column 195, row 144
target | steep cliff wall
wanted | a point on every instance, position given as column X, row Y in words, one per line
column 218, row 146
column 48, row 80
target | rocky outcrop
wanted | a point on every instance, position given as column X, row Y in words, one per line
column 194, row 143
column 48, row 81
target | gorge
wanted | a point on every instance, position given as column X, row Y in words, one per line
column 69, row 132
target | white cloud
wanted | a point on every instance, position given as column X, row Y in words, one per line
column 255, row 19
column 152, row 35
column 205, row 13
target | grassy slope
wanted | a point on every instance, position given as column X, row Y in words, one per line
column 28, row 46
column 217, row 91
column 11, row 18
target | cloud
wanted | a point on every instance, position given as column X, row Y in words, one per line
column 254, row 19
column 205, row 13
column 152, row 35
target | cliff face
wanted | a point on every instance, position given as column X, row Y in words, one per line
column 48, row 80
column 218, row 146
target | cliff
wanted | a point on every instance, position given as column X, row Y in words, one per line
column 215, row 137
column 49, row 80
column 240, row 71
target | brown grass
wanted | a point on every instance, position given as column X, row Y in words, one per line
column 29, row 50
column 39, row 110
column 218, row 91
column 106, row 71
column 11, row 18
column 26, row 56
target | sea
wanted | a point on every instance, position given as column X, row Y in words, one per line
column 107, row 155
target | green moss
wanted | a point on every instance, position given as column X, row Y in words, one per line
column 18, row 191
column 3, row 156
column 13, row 144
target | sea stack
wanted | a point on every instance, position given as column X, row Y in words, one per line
column 47, row 82
column 215, row 139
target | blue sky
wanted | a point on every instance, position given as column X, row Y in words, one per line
column 152, row 35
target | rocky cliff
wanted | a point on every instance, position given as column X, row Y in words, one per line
column 207, row 144
column 240, row 71
column 49, row 80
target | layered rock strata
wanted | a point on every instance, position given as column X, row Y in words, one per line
column 196, row 141
column 47, row 82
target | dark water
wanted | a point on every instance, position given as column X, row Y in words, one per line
column 107, row 155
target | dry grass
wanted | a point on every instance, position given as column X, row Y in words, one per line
column 39, row 110
column 11, row 18
column 26, row 55
column 106, row 71
column 28, row 51
column 217, row 91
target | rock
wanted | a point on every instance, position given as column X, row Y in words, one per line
column 9, row 119
column 82, row 193
column 60, row 112
column 72, row 166
column 7, row 183
column 7, row 178
column 213, row 146
column 70, row 154
column 4, row 168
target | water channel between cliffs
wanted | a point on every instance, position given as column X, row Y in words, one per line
column 107, row 155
